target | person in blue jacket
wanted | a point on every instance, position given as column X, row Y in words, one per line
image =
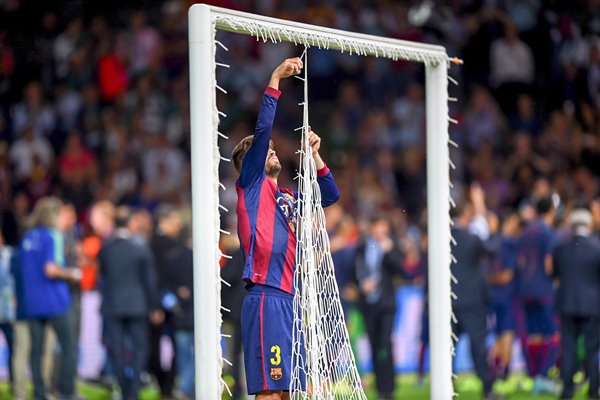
column 45, row 294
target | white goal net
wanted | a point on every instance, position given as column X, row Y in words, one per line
column 324, row 363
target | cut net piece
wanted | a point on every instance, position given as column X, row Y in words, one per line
column 323, row 364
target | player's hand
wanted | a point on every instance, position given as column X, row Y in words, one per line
column 387, row 244
column 291, row 66
column 314, row 141
column 157, row 317
column 368, row 285
column 184, row 292
column 477, row 198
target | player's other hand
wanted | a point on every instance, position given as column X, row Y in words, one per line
column 157, row 317
column 314, row 141
column 291, row 66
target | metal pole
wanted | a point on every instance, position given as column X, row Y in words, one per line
column 205, row 199
column 438, row 209
column 334, row 38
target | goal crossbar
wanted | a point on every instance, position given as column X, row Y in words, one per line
column 204, row 20
column 280, row 30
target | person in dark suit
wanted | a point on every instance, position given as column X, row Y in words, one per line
column 576, row 268
column 166, row 238
column 377, row 261
column 179, row 299
column 470, row 287
column 129, row 297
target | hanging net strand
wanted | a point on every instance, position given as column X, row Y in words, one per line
column 323, row 364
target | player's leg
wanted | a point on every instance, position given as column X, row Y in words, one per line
column 505, row 353
column 551, row 344
column 505, row 331
column 534, row 338
column 250, row 331
column 495, row 350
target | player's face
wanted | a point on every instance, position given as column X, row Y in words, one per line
column 272, row 165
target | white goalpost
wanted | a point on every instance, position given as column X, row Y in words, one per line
column 204, row 21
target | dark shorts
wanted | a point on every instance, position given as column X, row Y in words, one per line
column 504, row 316
column 539, row 317
column 267, row 320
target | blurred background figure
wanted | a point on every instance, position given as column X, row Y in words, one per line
column 232, row 297
column 343, row 234
column 502, row 280
column 470, row 287
column 536, row 293
column 67, row 225
column 166, row 238
column 46, row 297
column 179, row 301
column 7, row 304
column 377, row 263
column 129, row 299
column 94, row 109
column 576, row 268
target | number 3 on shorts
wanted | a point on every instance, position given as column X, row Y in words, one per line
column 276, row 351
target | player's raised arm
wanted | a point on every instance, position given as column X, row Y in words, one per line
column 291, row 66
column 250, row 154
column 329, row 190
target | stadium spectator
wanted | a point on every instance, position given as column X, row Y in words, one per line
column 33, row 111
column 77, row 171
column 576, row 267
column 512, row 66
column 31, row 158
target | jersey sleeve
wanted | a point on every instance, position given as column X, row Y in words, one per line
column 54, row 248
column 550, row 240
column 329, row 190
column 253, row 166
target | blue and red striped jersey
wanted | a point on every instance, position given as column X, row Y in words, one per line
column 536, row 243
column 267, row 212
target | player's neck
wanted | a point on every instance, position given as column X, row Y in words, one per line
column 273, row 178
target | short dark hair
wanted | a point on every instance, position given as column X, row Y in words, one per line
column 164, row 211
column 239, row 152
column 544, row 205
column 122, row 216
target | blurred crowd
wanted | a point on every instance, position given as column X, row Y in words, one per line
column 94, row 111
